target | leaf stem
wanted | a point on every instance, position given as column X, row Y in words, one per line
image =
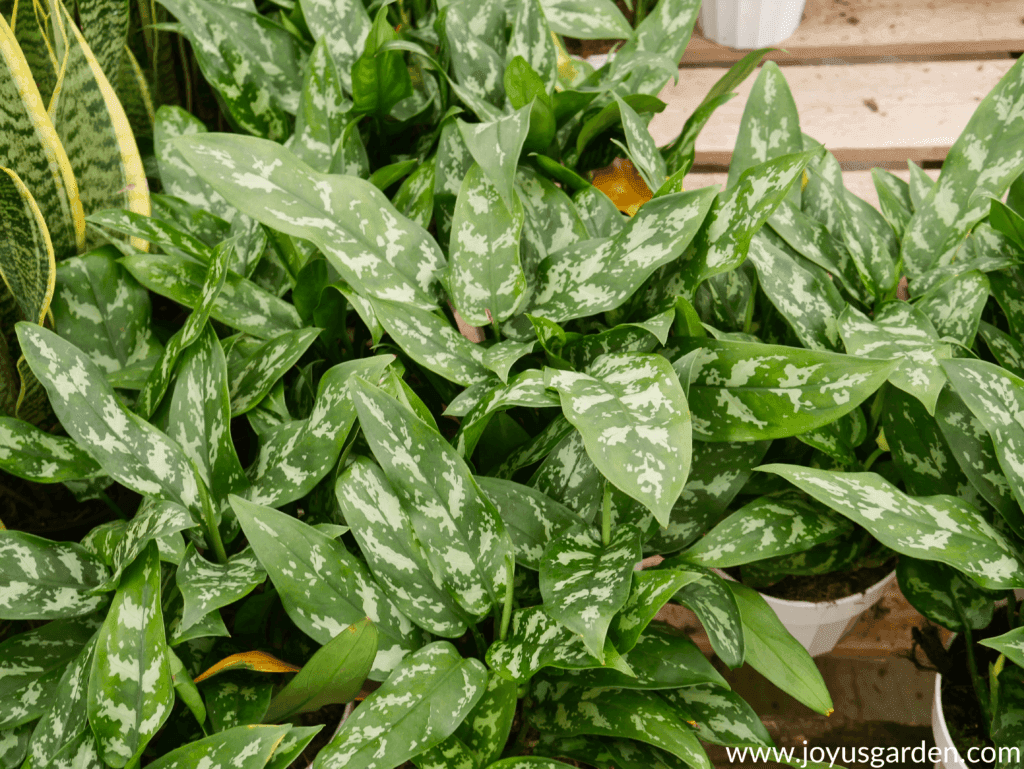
column 210, row 519
column 112, row 505
column 495, row 326
column 1011, row 609
column 872, row 457
column 606, row 516
column 972, row 666
column 510, row 586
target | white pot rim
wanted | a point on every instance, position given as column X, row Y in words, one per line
column 850, row 599
column 940, row 731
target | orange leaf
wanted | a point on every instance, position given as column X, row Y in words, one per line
column 261, row 662
column 623, row 185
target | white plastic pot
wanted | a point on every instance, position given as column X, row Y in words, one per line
column 950, row 757
column 750, row 23
column 819, row 626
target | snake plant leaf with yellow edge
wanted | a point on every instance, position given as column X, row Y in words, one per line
column 94, row 130
column 32, row 149
column 257, row 661
column 28, row 21
column 27, row 264
column 105, row 29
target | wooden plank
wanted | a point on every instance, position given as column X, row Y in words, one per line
column 845, row 29
column 859, row 183
column 862, row 113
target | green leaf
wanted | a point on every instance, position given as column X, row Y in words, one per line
column 662, row 36
column 595, row 276
column 630, row 714
column 598, row 751
column 737, row 214
column 902, row 332
column 30, row 453
column 585, row 20
column 230, row 705
column 415, row 197
column 485, row 274
column 130, row 687
column 486, row 729
column 243, row 747
column 47, row 580
column 254, row 64
column 294, row 458
column 241, row 304
column 206, row 587
column 971, row 445
column 38, row 158
column 386, row 536
column 1007, row 221
column 536, row 641
column 939, row 528
column 531, row 39
column 374, row 248
column 742, row 391
column 495, row 146
column 460, row 529
column 642, row 150
column 722, row 716
column 663, row 658
column 27, row 266
column 380, row 79
column 803, row 294
column 334, row 674
column 930, row 588
column 586, row 582
column 984, row 161
column 1007, row 351
column 328, row 588
column 476, row 65
column 650, row 591
column 178, row 177
column 919, row 450
column 14, row 745
column 156, row 520
column 710, row 598
column 421, row 704
column 167, row 236
column 1011, row 644
column 775, row 654
column 186, row 688
column 954, row 307
column 762, row 529
column 250, row 379
column 344, row 25
column 127, row 448
column 639, row 436
column 291, row 747
column 894, row 199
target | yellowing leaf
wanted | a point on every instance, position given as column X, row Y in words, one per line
column 623, row 185
column 260, row 662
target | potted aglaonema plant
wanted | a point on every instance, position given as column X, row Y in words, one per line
column 750, row 23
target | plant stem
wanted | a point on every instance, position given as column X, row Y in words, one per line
column 979, row 686
column 748, row 320
column 495, row 326
column 479, row 640
column 1011, row 609
column 506, row 610
column 112, row 505
column 872, row 457
column 606, row 516
column 524, row 728
column 210, row 520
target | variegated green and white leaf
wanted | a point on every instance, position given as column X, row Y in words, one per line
column 229, row 705
column 14, row 745
column 536, row 641
column 711, row 600
column 485, row 274
column 292, row 746
column 322, row 114
column 419, row 705
column 943, row 595
column 374, row 248
column 738, row 213
column 387, row 539
column 250, row 379
column 525, row 389
column 605, row 751
column 344, row 25
column 206, row 587
column 598, row 213
column 167, row 236
column 663, row 658
column 475, row 64
column 1011, row 644
column 722, row 717
column 155, row 521
column 762, row 529
column 47, row 580
column 460, row 529
column 241, row 304
column 567, row 473
column 939, row 528
column 531, row 39
column 650, row 591
column 984, row 161
column 746, row 391
column 130, row 688
column 662, row 36
column 971, row 445
column 552, row 221
column 639, row 435
column 777, row 655
column 209, row 627
column 531, row 518
column 904, row 333
column 496, row 145
column 804, row 295
column 954, row 307
column 596, row 276
column 643, row 152
column 415, row 197
column 177, row 176
column 328, row 588
column 127, row 448
column 632, row 714
column 486, row 729
column 35, row 455
column 1007, row 351
column 243, row 747
column 294, row 458
column 585, row 582
column 584, row 20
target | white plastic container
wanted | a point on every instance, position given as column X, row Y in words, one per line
column 819, row 626
column 950, row 757
column 750, row 23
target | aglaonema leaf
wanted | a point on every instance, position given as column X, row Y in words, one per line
column 206, row 587
column 585, row 581
column 635, row 423
column 328, row 589
column 722, row 716
column 334, row 674
column 242, row 747
column 939, row 528
column 460, row 529
column 486, row 729
column 386, row 536
column 130, row 688
column 955, row 306
column 374, row 248
column 35, row 455
column 178, row 177
column 251, row 379
column 932, row 588
column 420, row 704
column 710, row 598
column 584, row 20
